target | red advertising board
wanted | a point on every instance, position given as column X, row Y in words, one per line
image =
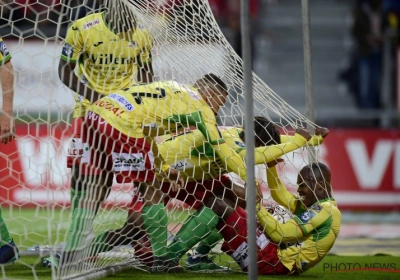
column 365, row 168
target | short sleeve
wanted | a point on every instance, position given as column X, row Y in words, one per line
column 4, row 53
column 73, row 44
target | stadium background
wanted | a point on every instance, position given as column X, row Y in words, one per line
column 363, row 149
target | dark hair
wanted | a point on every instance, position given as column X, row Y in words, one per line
column 265, row 132
column 214, row 81
column 320, row 171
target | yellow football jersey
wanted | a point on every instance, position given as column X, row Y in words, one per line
column 4, row 53
column 190, row 153
column 315, row 229
column 167, row 105
column 106, row 61
column 320, row 225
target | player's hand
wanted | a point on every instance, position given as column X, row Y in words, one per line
column 175, row 179
column 274, row 162
column 304, row 132
column 259, row 196
column 7, row 129
column 323, row 131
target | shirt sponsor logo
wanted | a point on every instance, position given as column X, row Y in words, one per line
column 241, row 255
column 78, row 149
column 110, row 59
column 3, row 49
column 68, row 50
column 90, row 24
column 128, row 162
column 121, row 100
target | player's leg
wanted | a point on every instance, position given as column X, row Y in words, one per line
column 76, row 149
column 198, row 226
column 234, row 231
column 225, row 188
column 8, row 250
column 155, row 221
column 131, row 233
column 194, row 195
column 95, row 180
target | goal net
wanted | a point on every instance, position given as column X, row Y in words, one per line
column 187, row 44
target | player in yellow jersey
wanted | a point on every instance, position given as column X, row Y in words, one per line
column 190, row 153
column 103, row 52
column 316, row 225
column 8, row 250
column 120, row 118
column 317, row 221
column 191, row 233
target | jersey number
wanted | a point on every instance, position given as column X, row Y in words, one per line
column 139, row 95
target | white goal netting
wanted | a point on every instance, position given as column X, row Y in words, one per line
column 187, row 44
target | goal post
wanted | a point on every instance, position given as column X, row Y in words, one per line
column 187, row 44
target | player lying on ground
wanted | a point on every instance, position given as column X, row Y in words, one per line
column 200, row 185
column 315, row 226
column 119, row 119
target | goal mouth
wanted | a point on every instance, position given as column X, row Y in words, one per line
column 186, row 44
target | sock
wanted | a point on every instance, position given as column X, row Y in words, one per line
column 99, row 244
column 201, row 224
column 80, row 227
column 155, row 222
column 208, row 243
column 5, row 237
column 76, row 196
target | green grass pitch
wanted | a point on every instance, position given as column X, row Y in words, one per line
column 40, row 226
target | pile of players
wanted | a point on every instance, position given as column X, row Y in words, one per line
column 120, row 116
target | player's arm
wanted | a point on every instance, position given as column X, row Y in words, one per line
column 145, row 73
column 205, row 122
column 7, row 85
column 233, row 161
column 7, row 129
column 73, row 47
column 295, row 228
column 279, row 192
column 316, row 139
column 266, row 154
column 164, row 168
